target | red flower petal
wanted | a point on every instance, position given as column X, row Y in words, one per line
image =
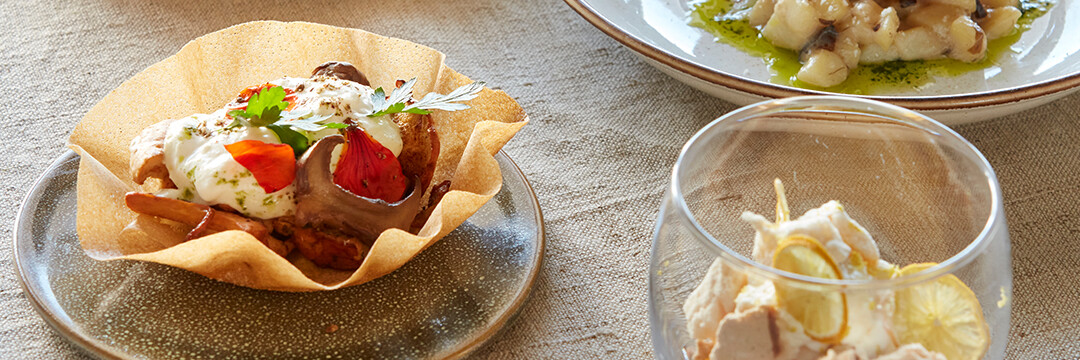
column 273, row 165
column 369, row 169
column 245, row 95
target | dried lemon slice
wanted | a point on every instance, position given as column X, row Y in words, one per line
column 943, row 315
column 883, row 270
column 823, row 314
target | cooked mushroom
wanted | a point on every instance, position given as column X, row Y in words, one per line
column 330, row 250
column 421, row 151
column 202, row 218
column 148, row 154
column 321, row 203
column 341, row 70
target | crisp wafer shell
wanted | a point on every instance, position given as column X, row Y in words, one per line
column 207, row 73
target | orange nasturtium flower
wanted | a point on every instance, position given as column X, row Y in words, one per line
column 273, row 165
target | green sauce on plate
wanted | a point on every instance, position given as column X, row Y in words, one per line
column 865, row 79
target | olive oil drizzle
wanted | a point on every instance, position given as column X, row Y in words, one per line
column 866, row 79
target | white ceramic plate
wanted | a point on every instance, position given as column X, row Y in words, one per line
column 1044, row 66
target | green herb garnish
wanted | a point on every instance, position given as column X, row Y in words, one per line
column 397, row 101
column 263, row 108
column 266, row 109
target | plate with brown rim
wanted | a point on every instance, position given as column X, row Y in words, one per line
column 1042, row 66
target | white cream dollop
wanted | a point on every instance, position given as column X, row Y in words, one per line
column 204, row 172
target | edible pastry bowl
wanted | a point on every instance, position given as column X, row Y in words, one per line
column 214, row 67
column 926, row 196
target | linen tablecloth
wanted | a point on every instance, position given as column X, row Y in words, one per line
column 605, row 131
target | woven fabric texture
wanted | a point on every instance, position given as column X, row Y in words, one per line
column 605, row 131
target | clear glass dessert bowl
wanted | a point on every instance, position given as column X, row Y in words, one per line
column 888, row 239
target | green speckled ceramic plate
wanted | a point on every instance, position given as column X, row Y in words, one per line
column 444, row 303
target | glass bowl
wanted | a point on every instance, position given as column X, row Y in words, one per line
column 923, row 193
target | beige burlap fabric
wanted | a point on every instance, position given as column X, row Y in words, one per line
column 605, row 131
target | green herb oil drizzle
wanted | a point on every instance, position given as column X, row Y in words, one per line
column 865, row 79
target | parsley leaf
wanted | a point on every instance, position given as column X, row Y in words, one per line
column 448, row 102
column 263, row 108
column 403, row 93
column 266, row 109
column 393, row 108
column 397, row 102
column 239, row 119
column 295, row 139
column 378, row 99
column 267, row 105
column 419, row 111
column 311, row 123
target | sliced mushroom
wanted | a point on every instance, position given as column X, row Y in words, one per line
column 148, row 155
column 203, row 219
column 436, row 195
column 320, row 203
column 420, row 150
column 330, row 250
column 341, row 70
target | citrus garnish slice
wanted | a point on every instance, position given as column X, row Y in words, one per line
column 823, row 314
column 943, row 315
column 886, row 272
